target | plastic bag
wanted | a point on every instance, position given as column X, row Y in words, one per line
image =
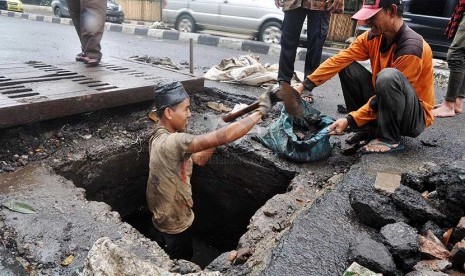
column 281, row 137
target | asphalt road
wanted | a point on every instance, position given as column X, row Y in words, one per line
column 23, row 40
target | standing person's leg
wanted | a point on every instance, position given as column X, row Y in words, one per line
column 74, row 8
column 399, row 111
column 92, row 25
column 290, row 35
column 317, row 31
column 456, row 86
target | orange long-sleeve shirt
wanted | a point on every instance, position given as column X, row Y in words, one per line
column 408, row 53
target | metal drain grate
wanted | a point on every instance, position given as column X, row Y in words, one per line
column 37, row 90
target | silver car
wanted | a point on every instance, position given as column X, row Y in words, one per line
column 259, row 18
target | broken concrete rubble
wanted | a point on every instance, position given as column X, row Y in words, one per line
column 458, row 255
column 357, row 270
column 433, row 249
column 107, row 258
column 425, row 273
column 415, row 207
column 459, row 231
column 372, row 255
column 433, row 265
column 433, row 227
column 373, row 209
column 402, row 241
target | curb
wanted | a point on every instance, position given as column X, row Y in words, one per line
column 141, row 28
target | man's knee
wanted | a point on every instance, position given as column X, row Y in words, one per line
column 385, row 80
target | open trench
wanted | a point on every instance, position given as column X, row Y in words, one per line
column 227, row 191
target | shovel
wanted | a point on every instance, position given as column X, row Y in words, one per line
column 285, row 93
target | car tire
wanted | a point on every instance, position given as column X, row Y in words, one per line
column 185, row 23
column 57, row 12
column 270, row 32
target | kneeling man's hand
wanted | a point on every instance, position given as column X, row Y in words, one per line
column 338, row 127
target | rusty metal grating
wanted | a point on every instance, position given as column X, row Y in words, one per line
column 37, row 90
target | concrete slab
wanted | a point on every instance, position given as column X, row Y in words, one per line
column 36, row 91
column 387, row 183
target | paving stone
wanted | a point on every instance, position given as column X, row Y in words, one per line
column 387, row 183
column 373, row 209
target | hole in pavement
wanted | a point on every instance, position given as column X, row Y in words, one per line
column 226, row 192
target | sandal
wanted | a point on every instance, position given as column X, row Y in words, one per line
column 377, row 142
column 91, row 62
column 80, row 57
column 360, row 136
column 308, row 97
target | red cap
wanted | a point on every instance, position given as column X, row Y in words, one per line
column 369, row 8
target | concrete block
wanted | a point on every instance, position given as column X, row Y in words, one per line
column 155, row 33
column 128, row 29
column 387, row 183
column 183, row 36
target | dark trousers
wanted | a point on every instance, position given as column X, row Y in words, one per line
column 456, row 62
column 317, row 30
column 177, row 246
column 89, row 21
column 399, row 111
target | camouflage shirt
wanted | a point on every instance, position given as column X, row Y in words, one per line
column 169, row 192
column 318, row 5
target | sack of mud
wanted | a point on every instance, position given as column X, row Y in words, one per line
column 299, row 140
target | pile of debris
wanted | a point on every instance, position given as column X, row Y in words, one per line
column 420, row 222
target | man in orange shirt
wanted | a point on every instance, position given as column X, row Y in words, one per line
column 395, row 99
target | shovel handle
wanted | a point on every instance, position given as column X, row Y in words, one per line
column 234, row 115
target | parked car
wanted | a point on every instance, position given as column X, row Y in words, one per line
column 114, row 10
column 429, row 18
column 11, row 5
column 259, row 18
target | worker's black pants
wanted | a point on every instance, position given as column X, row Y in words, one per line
column 177, row 246
column 397, row 107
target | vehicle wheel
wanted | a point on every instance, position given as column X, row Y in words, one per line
column 57, row 12
column 185, row 23
column 270, row 32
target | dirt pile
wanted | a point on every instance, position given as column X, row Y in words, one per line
column 421, row 222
